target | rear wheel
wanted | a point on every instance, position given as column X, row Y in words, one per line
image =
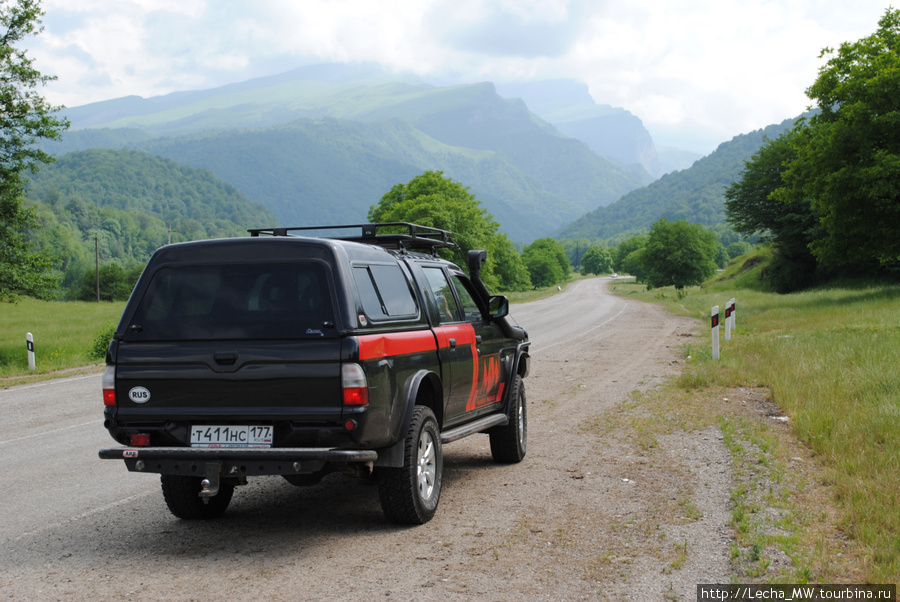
column 508, row 442
column 182, row 494
column 410, row 495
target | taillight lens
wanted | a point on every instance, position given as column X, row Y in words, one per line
column 139, row 440
column 109, row 386
column 356, row 388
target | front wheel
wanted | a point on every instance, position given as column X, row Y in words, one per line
column 508, row 442
column 182, row 494
column 410, row 495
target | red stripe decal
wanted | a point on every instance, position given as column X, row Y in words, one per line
column 463, row 333
column 373, row 346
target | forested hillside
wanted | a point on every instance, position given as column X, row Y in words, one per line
column 696, row 194
column 128, row 201
column 323, row 143
column 321, row 171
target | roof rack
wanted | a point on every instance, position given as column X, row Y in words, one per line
column 402, row 235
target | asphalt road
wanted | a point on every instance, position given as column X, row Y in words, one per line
column 585, row 308
column 49, row 471
column 74, row 526
column 50, row 475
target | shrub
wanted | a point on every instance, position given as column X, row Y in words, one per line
column 101, row 342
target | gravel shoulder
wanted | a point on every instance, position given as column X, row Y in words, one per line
column 599, row 508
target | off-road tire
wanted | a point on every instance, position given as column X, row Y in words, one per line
column 508, row 443
column 410, row 495
column 183, row 499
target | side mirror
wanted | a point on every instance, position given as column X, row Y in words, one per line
column 498, row 306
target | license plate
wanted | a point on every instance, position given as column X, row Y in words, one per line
column 231, row 436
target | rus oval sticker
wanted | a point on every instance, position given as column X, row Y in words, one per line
column 139, row 395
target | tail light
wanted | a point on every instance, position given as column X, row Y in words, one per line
column 139, row 440
column 109, row 386
column 356, row 388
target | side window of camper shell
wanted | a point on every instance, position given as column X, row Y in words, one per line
column 384, row 292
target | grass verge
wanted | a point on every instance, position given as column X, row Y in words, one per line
column 63, row 333
column 828, row 358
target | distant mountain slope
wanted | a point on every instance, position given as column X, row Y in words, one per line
column 696, row 194
column 130, row 203
column 326, row 90
column 144, row 183
column 675, row 159
column 362, row 131
column 331, row 171
column 608, row 131
column 477, row 117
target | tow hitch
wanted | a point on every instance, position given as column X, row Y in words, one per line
column 210, row 485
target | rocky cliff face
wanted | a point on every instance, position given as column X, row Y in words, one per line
column 609, row 131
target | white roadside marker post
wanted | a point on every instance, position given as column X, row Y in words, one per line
column 733, row 315
column 728, row 321
column 715, row 332
column 29, row 344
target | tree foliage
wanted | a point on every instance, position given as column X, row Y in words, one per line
column 25, row 116
column 633, row 265
column 432, row 200
column 848, row 154
column 828, row 192
column 626, row 248
column 679, row 254
column 736, row 249
column 761, row 203
column 597, row 260
column 575, row 249
column 547, row 262
column 116, row 283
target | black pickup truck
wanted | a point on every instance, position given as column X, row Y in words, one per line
column 359, row 350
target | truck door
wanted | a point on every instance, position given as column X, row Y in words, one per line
column 463, row 333
column 457, row 345
column 490, row 342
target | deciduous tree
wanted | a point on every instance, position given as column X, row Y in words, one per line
column 597, row 260
column 761, row 202
column 626, row 248
column 679, row 254
column 432, row 200
column 25, row 116
column 848, row 154
column 547, row 262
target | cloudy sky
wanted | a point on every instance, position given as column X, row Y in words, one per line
column 697, row 72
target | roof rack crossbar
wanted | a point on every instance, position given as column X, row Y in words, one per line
column 405, row 235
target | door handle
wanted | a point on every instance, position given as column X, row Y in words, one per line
column 225, row 359
column 453, row 343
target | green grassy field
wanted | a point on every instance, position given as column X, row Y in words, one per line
column 830, row 358
column 63, row 333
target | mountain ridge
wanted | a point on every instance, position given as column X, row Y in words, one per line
column 696, row 194
column 531, row 176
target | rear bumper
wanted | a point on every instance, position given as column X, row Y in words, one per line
column 235, row 462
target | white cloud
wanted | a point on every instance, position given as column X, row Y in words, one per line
column 724, row 66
